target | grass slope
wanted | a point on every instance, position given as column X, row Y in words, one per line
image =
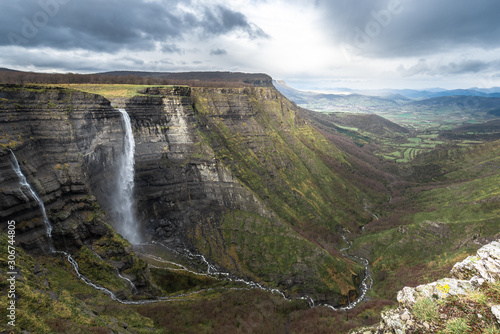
column 293, row 169
column 440, row 222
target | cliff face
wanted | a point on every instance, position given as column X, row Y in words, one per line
column 178, row 179
column 64, row 142
column 234, row 174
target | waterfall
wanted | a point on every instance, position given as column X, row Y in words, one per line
column 24, row 184
column 48, row 227
column 123, row 206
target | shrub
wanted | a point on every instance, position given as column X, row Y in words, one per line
column 492, row 330
column 426, row 309
column 457, row 326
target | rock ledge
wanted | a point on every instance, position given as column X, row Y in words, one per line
column 466, row 276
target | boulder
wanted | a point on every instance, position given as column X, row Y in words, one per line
column 484, row 265
column 495, row 309
column 436, row 290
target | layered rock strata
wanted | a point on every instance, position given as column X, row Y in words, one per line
column 190, row 192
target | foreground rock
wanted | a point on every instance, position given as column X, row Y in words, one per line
column 466, row 276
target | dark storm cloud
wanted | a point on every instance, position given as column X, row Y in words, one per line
column 114, row 24
column 394, row 28
column 220, row 20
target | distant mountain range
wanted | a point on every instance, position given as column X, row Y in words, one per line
column 418, row 94
column 416, row 109
column 408, row 93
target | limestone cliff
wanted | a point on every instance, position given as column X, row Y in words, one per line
column 65, row 142
column 234, row 174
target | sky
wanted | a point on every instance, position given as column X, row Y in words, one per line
column 310, row 44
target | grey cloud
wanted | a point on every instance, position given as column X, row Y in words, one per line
column 46, row 60
column 421, row 68
column 112, row 25
column 218, row 52
column 416, row 28
column 135, row 61
column 221, row 20
column 467, row 66
column 171, row 48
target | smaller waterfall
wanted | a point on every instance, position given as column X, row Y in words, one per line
column 123, row 206
column 48, row 227
column 25, row 185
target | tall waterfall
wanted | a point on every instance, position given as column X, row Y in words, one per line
column 123, row 206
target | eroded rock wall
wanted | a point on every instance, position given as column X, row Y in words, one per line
column 178, row 179
column 66, row 143
column 188, row 192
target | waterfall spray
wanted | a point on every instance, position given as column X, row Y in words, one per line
column 123, row 206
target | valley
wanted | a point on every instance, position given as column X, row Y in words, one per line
column 426, row 122
column 244, row 202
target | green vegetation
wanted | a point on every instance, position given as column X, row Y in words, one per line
column 311, row 182
column 51, row 299
column 437, row 223
column 305, row 186
column 468, row 313
column 109, row 91
column 457, row 326
column 271, row 252
column 297, row 172
column 426, row 309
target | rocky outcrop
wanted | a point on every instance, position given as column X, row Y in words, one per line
column 466, row 276
column 485, row 266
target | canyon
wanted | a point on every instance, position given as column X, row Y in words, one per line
column 233, row 188
column 188, row 192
